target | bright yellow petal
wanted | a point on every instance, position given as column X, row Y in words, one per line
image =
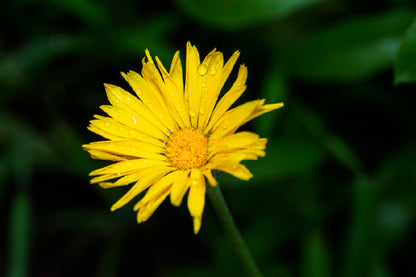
column 128, row 166
column 152, row 177
column 196, row 198
column 157, row 189
column 264, row 109
column 151, row 98
column 233, row 119
column 239, row 171
column 123, row 181
column 98, row 155
column 193, row 82
column 122, row 99
column 128, row 148
column 213, row 83
column 113, row 130
column 210, row 178
column 133, row 121
column 176, row 71
column 174, row 98
column 179, row 187
column 230, row 97
column 146, row 211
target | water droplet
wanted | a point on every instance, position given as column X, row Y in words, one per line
column 225, row 125
column 106, row 124
column 204, row 84
column 120, row 128
column 180, row 108
column 150, row 105
column 133, row 133
column 202, row 69
column 164, row 143
column 204, row 99
column 128, row 164
column 134, row 120
column 172, row 93
column 239, row 84
column 160, row 116
column 192, row 112
column 139, row 92
column 127, row 98
column 202, row 110
column 213, row 70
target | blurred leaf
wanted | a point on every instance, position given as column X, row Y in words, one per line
column 284, row 157
column 351, row 50
column 16, row 67
column 316, row 256
column 233, row 14
column 274, row 90
column 405, row 65
column 334, row 145
column 86, row 10
column 19, row 236
column 360, row 245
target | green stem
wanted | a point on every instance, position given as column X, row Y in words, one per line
column 217, row 200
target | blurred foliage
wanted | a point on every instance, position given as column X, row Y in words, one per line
column 335, row 195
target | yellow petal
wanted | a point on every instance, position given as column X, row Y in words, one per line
column 208, row 174
column 129, row 148
column 176, row 71
column 111, row 129
column 196, row 198
column 180, row 186
column 128, row 166
column 262, row 109
column 233, row 119
column 146, row 211
column 133, row 121
column 214, row 81
column 239, row 171
column 122, row 99
column 151, row 98
column 173, row 96
column 230, row 97
column 104, row 156
column 157, row 189
column 140, row 186
column 123, row 181
column 193, row 82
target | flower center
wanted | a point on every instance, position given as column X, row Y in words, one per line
column 187, row 148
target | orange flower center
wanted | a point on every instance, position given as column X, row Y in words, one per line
column 187, row 148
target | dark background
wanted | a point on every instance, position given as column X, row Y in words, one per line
column 335, row 195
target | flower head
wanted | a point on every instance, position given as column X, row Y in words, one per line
column 170, row 138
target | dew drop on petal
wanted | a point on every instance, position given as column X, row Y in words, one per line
column 202, row 110
column 106, row 124
column 213, row 70
column 225, row 125
column 202, row 69
column 133, row 133
column 192, row 112
column 204, row 84
column 139, row 92
column 134, row 120
column 204, row 99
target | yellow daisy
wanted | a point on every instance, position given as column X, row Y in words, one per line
column 170, row 139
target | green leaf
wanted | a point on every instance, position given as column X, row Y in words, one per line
column 316, row 256
column 19, row 236
column 351, row 50
column 234, row 14
column 405, row 65
column 360, row 246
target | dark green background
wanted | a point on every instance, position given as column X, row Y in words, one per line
column 335, row 195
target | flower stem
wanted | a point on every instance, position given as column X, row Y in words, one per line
column 218, row 202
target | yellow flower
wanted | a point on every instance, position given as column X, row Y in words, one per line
column 170, row 138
